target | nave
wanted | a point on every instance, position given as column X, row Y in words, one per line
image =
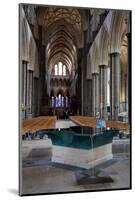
column 75, row 91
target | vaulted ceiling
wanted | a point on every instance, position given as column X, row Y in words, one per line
column 63, row 35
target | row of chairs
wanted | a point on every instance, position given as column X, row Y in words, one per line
column 35, row 124
column 91, row 121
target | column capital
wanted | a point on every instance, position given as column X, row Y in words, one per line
column 95, row 73
column 30, row 70
column 103, row 66
column 24, row 62
column 114, row 53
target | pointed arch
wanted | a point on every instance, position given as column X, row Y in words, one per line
column 25, row 41
column 60, row 91
column 95, row 58
column 32, row 49
column 104, row 46
column 118, row 26
column 89, row 66
column 36, row 64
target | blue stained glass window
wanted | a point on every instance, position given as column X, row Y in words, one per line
column 57, row 102
column 66, row 101
column 53, row 102
column 62, row 102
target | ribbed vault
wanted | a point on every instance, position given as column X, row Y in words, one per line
column 63, row 33
column 63, row 36
column 70, row 15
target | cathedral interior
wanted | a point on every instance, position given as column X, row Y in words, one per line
column 75, row 62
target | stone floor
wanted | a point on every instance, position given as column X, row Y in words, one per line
column 44, row 176
column 48, row 178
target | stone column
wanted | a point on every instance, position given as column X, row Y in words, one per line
column 24, row 85
column 89, row 97
column 54, row 105
column 126, row 96
column 29, row 93
column 82, row 90
column 34, row 95
column 64, row 102
column 115, row 85
column 95, row 94
column 129, row 78
column 103, row 91
column 90, row 103
column 27, row 96
column 79, row 87
column 22, row 81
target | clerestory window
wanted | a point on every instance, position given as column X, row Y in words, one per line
column 60, row 69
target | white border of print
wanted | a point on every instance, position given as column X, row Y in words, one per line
column 9, row 99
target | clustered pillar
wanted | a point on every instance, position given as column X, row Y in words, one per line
column 24, row 86
column 129, row 78
column 95, row 94
column 35, row 106
column 27, row 90
column 29, row 93
column 115, row 85
column 103, row 91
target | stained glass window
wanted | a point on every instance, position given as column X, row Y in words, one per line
column 56, row 70
column 53, row 102
column 64, row 70
column 57, row 102
column 66, row 101
column 62, row 102
column 60, row 68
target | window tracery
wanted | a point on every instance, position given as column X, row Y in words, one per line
column 60, row 69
